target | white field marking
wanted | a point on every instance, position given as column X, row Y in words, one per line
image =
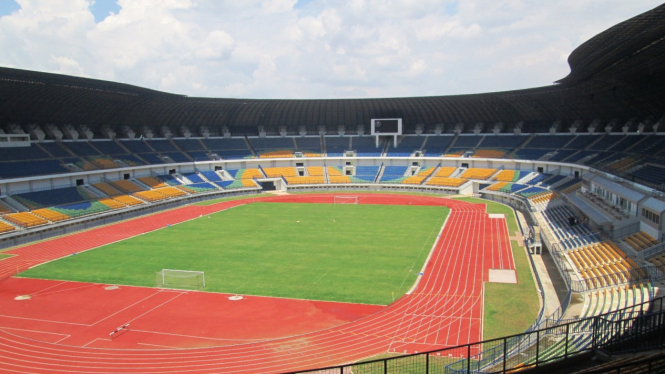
column 429, row 256
column 197, row 337
column 127, row 307
column 86, row 344
column 47, row 288
column 160, row 346
column 167, row 301
column 68, row 289
column 41, row 332
column 45, row 320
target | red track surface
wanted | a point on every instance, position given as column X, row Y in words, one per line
column 444, row 310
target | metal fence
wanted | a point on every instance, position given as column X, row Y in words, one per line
column 531, row 349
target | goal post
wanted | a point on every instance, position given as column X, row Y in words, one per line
column 181, row 279
column 346, row 199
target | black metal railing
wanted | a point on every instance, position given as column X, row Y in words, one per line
column 529, row 349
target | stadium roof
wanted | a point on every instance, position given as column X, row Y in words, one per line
column 617, row 76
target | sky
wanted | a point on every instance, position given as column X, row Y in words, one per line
column 307, row 49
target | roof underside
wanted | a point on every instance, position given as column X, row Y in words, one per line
column 616, row 76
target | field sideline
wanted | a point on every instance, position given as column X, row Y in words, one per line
column 326, row 252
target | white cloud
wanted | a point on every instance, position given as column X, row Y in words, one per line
column 326, row 49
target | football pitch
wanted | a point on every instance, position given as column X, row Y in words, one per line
column 334, row 252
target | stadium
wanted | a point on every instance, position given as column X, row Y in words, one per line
column 150, row 232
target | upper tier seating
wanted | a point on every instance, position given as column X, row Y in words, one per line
column 238, row 183
column 161, row 145
column 365, row 146
column 562, row 154
column 467, row 142
column 245, row 173
column 503, row 141
column 273, row 147
column 478, row 173
column 108, row 147
column 436, row 145
column 20, row 169
column 188, row 145
column 152, row 158
column 136, row 146
column 550, row 142
column 23, row 153
column 54, row 149
column 650, row 174
column 176, row 156
column 530, row 154
column 309, row 146
column 490, row 153
column 406, row 147
column 81, row 148
column 552, row 180
column 336, row 146
column 582, row 141
column 58, row 196
column 507, row 187
column 228, row 149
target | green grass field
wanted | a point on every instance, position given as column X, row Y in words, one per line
column 350, row 253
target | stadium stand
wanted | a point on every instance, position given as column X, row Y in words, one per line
column 639, row 241
column 420, row 177
column 198, row 187
column 406, row 147
column 107, row 189
column 445, row 171
column 81, row 148
column 152, row 182
column 81, row 209
column 212, row 176
column 25, row 219
column 4, row 209
column 446, row 182
column 273, row 147
column 365, row 174
column 280, row 172
column 127, row 200
column 393, row 174
column 4, row 227
column 365, row 146
column 435, row 145
column 336, row 146
column 510, row 175
column 228, row 149
column 150, row 195
column 125, row 186
column 309, row 146
column 193, row 177
column 478, row 173
column 51, row 215
column 59, row 196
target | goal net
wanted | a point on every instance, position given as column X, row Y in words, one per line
column 346, row 199
column 183, row 279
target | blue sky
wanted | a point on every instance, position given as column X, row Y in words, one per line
column 307, row 48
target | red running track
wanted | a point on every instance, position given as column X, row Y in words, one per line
column 444, row 310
